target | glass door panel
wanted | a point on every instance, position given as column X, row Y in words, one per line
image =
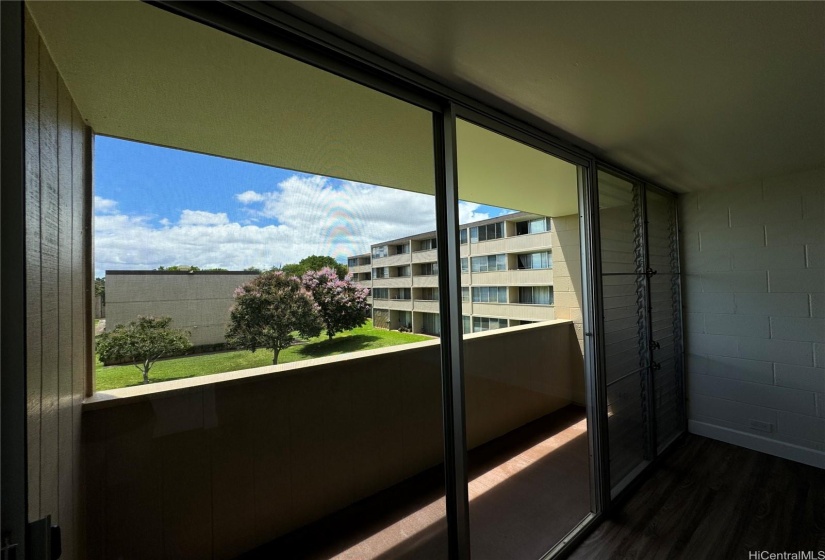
column 625, row 325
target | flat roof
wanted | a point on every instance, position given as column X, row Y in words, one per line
column 429, row 234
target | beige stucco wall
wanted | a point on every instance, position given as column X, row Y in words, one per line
column 197, row 302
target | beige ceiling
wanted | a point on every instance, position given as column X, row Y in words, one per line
column 693, row 95
column 140, row 73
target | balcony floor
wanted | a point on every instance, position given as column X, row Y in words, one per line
column 527, row 489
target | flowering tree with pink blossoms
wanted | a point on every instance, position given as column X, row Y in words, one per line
column 342, row 304
column 269, row 310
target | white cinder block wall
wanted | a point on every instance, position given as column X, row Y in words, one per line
column 753, row 258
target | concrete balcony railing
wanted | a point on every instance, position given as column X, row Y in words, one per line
column 430, row 255
column 425, row 281
column 425, row 305
column 520, row 311
column 392, row 260
column 529, row 242
column 534, row 277
column 360, row 268
column 519, row 243
column 252, row 455
column 397, row 304
column 395, row 282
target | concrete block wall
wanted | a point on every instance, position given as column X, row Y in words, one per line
column 753, row 259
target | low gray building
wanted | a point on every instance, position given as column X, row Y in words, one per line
column 198, row 302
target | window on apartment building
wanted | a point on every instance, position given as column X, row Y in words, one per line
column 428, row 244
column 481, row 324
column 429, row 294
column 486, row 233
column 404, row 270
column 381, row 272
column 466, row 324
column 533, row 226
column 465, row 293
column 490, row 294
column 401, row 293
column 489, row 263
column 402, row 249
column 465, row 266
column 536, row 295
column 462, row 236
column 429, row 269
column 381, row 293
column 535, row 260
column 379, row 252
column 352, row 262
column 431, row 323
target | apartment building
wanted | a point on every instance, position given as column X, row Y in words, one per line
column 506, row 276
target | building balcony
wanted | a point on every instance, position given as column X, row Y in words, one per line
column 425, row 305
column 360, row 268
column 350, row 444
column 393, row 282
column 429, row 255
column 392, row 260
column 397, row 304
column 520, row 311
column 532, row 277
column 430, row 281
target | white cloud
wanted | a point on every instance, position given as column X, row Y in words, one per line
column 104, row 205
column 314, row 215
column 201, row 218
column 248, row 197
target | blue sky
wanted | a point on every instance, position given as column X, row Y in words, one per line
column 158, row 206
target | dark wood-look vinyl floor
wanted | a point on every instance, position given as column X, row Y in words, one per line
column 711, row 500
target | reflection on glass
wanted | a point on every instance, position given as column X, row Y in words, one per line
column 272, row 170
column 625, row 358
column 524, row 385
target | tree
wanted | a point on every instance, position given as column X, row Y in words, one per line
column 100, row 288
column 268, row 311
column 342, row 304
column 142, row 342
column 315, row 262
column 179, row 267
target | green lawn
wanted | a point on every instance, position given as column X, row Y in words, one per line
column 363, row 338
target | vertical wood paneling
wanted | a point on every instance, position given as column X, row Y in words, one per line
column 65, row 461
column 81, row 323
column 58, row 328
column 49, row 249
column 33, row 323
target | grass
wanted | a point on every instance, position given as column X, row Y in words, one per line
column 362, row 338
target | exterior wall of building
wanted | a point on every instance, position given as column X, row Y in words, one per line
column 198, row 302
column 418, row 259
column 754, row 283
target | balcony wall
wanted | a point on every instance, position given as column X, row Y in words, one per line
column 397, row 304
column 538, row 277
column 360, row 268
column 426, row 306
column 529, row 242
column 522, row 311
column 395, row 282
column 430, row 255
column 425, row 281
column 392, row 260
column 214, row 466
